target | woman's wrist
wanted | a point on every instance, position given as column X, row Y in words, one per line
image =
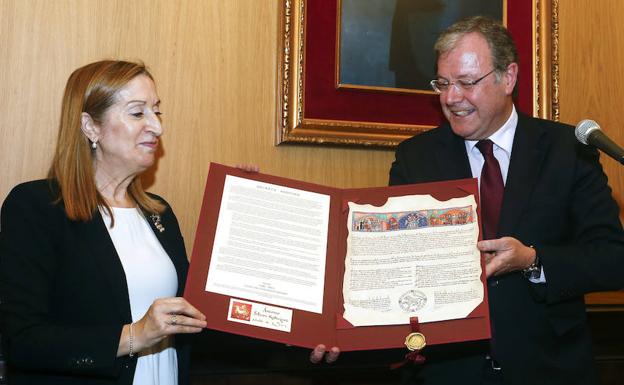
column 131, row 346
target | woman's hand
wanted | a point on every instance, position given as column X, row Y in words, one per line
column 166, row 316
column 248, row 167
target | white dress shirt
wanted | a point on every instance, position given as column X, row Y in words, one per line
column 150, row 274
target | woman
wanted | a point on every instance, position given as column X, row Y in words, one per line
column 92, row 266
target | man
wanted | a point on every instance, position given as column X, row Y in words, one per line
column 551, row 227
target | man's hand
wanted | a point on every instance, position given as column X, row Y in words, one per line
column 505, row 255
column 319, row 352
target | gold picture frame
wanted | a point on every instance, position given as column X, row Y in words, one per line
column 296, row 126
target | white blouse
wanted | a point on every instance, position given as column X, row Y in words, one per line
column 150, row 274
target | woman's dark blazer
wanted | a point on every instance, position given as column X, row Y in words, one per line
column 63, row 292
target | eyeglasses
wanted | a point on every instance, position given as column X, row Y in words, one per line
column 443, row 85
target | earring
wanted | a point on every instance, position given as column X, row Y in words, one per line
column 94, row 144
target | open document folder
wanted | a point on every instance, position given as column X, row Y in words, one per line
column 304, row 264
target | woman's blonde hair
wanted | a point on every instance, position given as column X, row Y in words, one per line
column 92, row 89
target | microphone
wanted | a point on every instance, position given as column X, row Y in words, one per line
column 588, row 132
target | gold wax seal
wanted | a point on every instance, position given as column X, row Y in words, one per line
column 415, row 341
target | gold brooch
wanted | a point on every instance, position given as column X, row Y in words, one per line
column 156, row 220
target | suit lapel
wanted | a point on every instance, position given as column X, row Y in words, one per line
column 451, row 158
column 99, row 246
column 529, row 147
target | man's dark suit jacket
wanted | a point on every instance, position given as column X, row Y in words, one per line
column 557, row 200
column 64, row 293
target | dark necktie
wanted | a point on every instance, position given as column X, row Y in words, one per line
column 492, row 189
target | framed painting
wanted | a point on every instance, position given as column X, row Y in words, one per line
column 327, row 96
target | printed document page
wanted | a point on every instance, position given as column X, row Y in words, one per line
column 413, row 256
column 270, row 244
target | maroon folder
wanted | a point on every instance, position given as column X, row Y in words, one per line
column 308, row 328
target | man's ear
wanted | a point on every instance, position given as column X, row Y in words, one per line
column 89, row 128
column 510, row 77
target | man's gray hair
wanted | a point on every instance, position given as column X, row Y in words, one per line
column 502, row 46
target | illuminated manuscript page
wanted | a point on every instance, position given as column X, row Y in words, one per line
column 270, row 244
column 413, row 256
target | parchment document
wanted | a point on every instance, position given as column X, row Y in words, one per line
column 270, row 244
column 413, row 256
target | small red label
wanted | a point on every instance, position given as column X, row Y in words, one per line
column 241, row 311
